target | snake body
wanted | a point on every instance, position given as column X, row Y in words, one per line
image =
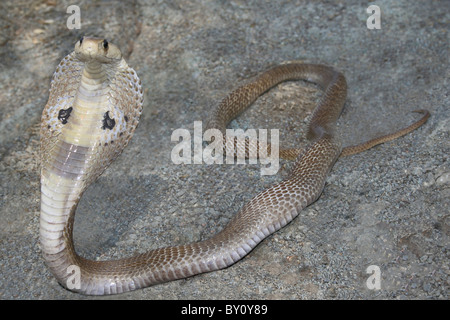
column 94, row 107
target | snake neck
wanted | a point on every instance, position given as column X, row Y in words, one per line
column 89, row 108
column 66, row 172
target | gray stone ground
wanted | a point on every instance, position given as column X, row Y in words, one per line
column 388, row 206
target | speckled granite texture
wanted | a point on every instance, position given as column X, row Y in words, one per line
column 388, row 206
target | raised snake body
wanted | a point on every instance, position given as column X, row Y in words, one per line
column 94, row 107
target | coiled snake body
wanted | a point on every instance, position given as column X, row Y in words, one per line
column 94, row 107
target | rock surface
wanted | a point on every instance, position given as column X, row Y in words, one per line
column 388, row 206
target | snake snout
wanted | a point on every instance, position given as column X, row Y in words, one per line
column 97, row 50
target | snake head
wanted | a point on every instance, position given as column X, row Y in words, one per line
column 97, row 49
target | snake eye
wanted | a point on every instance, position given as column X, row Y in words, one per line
column 81, row 40
column 105, row 44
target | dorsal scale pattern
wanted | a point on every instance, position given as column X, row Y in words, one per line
column 94, row 107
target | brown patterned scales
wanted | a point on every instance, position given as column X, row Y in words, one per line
column 94, row 107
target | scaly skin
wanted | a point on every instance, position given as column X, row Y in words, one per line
column 93, row 109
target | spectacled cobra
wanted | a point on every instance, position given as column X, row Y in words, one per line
column 93, row 109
